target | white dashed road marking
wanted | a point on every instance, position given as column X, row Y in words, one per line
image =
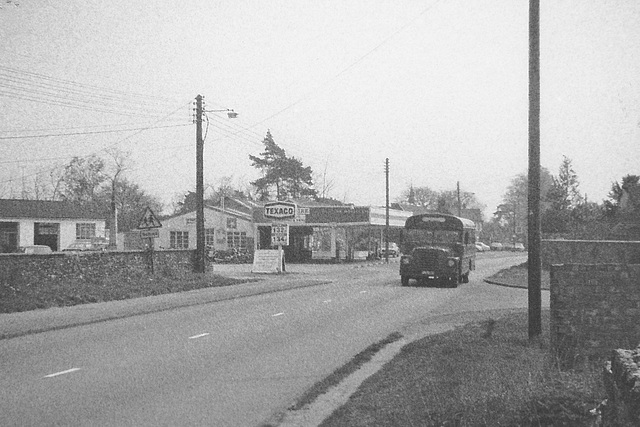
column 199, row 336
column 277, row 314
column 326, row 301
column 68, row 371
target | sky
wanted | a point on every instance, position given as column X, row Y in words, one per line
column 439, row 87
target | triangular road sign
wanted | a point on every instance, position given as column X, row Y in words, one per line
column 149, row 220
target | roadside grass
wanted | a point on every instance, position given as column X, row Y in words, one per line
column 32, row 296
column 517, row 276
column 482, row 374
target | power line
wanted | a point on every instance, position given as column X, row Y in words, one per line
column 92, row 132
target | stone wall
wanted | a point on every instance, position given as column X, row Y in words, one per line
column 622, row 381
column 589, row 252
column 18, row 269
column 594, row 308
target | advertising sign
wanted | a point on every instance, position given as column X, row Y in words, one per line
column 279, row 234
column 280, row 210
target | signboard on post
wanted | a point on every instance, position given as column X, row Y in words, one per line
column 151, row 233
column 279, row 234
column 148, row 227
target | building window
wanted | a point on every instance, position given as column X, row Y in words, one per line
column 209, row 236
column 237, row 239
column 179, row 240
column 232, row 223
column 85, row 231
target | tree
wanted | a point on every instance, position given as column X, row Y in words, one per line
column 81, row 179
column 130, row 200
column 286, row 175
column 563, row 197
column 420, row 196
column 612, row 205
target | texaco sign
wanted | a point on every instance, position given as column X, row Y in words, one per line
column 280, row 210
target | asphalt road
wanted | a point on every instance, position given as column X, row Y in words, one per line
column 227, row 363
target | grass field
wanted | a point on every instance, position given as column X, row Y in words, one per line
column 484, row 374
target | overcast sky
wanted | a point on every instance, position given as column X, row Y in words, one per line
column 438, row 87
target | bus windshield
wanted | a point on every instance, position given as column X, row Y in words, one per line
column 418, row 237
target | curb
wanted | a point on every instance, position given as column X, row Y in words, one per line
column 19, row 324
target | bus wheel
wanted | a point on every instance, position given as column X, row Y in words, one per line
column 404, row 280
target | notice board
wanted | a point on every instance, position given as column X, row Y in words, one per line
column 268, row 261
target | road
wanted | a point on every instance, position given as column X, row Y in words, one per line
column 227, row 363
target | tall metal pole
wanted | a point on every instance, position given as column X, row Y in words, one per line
column 534, row 263
column 200, row 261
column 386, row 228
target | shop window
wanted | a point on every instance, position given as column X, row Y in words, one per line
column 237, row 239
column 209, row 236
column 85, row 231
column 179, row 240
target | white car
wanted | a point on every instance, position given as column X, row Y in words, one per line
column 481, row 247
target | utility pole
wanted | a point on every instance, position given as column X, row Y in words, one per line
column 200, row 261
column 386, row 227
column 534, row 262
column 459, row 203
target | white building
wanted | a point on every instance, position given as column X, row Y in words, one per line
column 46, row 222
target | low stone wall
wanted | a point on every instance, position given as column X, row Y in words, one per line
column 622, row 381
column 594, row 308
column 589, row 252
column 18, row 269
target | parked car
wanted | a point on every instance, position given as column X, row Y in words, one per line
column 83, row 247
column 481, row 247
column 516, row 247
column 393, row 250
column 496, row 246
column 36, row 249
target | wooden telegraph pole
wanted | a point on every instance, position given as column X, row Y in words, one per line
column 386, row 227
column 534, row 263
column 200, row 261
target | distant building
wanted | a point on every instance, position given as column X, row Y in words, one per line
column 226, row 226
column 46, row 222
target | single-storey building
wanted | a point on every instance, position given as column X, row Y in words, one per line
column 46, row 222
column 336, row 232
column 224, row 228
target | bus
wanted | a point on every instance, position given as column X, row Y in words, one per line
column 437, row 246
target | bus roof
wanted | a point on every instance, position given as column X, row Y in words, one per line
column 439, row 222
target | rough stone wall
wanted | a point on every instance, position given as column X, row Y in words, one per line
column 589, row 252
column 594, row 308
column 17, row 270
column 622, row 381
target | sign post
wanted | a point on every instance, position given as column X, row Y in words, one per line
column 148, row 227
column 280, row 238
column 279, row 212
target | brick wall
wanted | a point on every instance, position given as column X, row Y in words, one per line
column 594, row 308
column 589, row 252
column 18, row 270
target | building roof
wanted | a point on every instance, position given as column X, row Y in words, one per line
column 46, row 209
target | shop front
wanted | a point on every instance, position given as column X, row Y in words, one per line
column 330, row 233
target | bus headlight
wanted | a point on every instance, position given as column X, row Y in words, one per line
column 451, row 262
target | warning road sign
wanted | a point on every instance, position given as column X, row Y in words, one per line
column 149, row 220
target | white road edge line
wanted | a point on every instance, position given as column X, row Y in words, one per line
column 277, row 314
column 68, row 371
column 199, row 336
column 363, row 292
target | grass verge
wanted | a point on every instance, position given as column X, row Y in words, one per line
column 517, row 276
column 483, row 374
column 32, row 296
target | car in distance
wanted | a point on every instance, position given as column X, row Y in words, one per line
column 393, row 250
column 515, row 247
column 83, row 247
column 481, row 247
column 36, row 249
column 496, row 246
